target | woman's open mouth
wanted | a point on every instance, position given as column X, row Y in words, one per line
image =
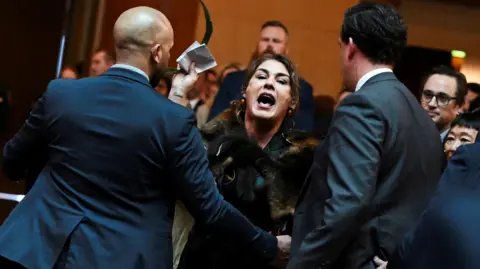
column 266, row 100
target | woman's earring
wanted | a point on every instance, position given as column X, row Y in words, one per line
column 290, row 112
column 243, row 103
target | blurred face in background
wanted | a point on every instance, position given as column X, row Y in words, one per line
column 163, row 87
column 458, row 136
column 342, row 96
column 100, row 63
column 210, row 86
column 471, row 95
column 273, row 40
column 68, row 73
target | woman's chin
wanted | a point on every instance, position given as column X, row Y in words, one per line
column 263, row 114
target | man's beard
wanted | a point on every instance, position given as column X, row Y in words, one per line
column 158, row 74
column 256, row 54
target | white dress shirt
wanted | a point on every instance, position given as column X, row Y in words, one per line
column 131, row 68
column 369, row 75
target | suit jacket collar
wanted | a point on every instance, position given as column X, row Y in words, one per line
column 380, row 77
column 128, row 74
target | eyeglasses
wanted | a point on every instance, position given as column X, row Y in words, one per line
column 442, row 99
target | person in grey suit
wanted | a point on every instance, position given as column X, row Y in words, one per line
column 380, row 162
column 118, row 157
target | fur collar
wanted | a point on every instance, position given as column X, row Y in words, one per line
column 284, row 171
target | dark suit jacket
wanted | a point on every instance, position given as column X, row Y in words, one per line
column 370, row 180
column 447, row 236
column 119, row 155
column 231, row 90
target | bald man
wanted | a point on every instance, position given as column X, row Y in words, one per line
column 119, row 155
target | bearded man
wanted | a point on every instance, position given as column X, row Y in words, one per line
column 273, row 40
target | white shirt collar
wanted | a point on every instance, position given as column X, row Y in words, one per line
column 444, row 134
column 131, row 68
column 369, row 75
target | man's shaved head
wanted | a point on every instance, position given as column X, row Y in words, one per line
column 141, row 27
column 144, row 36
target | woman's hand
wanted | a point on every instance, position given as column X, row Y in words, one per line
column 181, row 84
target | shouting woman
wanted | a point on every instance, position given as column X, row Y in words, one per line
column 259, row 162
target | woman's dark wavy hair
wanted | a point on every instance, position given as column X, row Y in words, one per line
column 292, row 72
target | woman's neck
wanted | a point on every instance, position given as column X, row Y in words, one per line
column 261, row 131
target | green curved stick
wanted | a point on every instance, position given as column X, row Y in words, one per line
column 206, row 36
column 208, row 24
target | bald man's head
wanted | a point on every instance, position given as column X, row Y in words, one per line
column 142, row 27
column 144, row 36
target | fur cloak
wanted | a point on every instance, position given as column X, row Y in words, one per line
column 243, row 172
column 283, row 170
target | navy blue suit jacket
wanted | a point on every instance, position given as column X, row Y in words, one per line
column 119, row 155
column 231, row 90
column 448, row 234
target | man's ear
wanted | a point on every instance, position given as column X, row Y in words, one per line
column 156, row 53
column 351, row 49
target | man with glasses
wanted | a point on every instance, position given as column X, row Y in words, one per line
column 443, row 95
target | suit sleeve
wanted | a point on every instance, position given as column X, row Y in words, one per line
column 24, row 148
column 434, row 242
column 194, row 185
column 354, row 149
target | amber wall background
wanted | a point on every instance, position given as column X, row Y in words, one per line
column 313, row 25
column 446, row 27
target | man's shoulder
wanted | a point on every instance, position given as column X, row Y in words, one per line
column 386, row 93
column 152, row 101
column 236, row 77
column 237, row 74
column 64, row 85
column 305, row 85
column 60, row 83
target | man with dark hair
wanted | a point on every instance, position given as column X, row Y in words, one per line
column 273, row 40
column 443, row 96
column 373, row 174
column 102, row 60
column 473, row 91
